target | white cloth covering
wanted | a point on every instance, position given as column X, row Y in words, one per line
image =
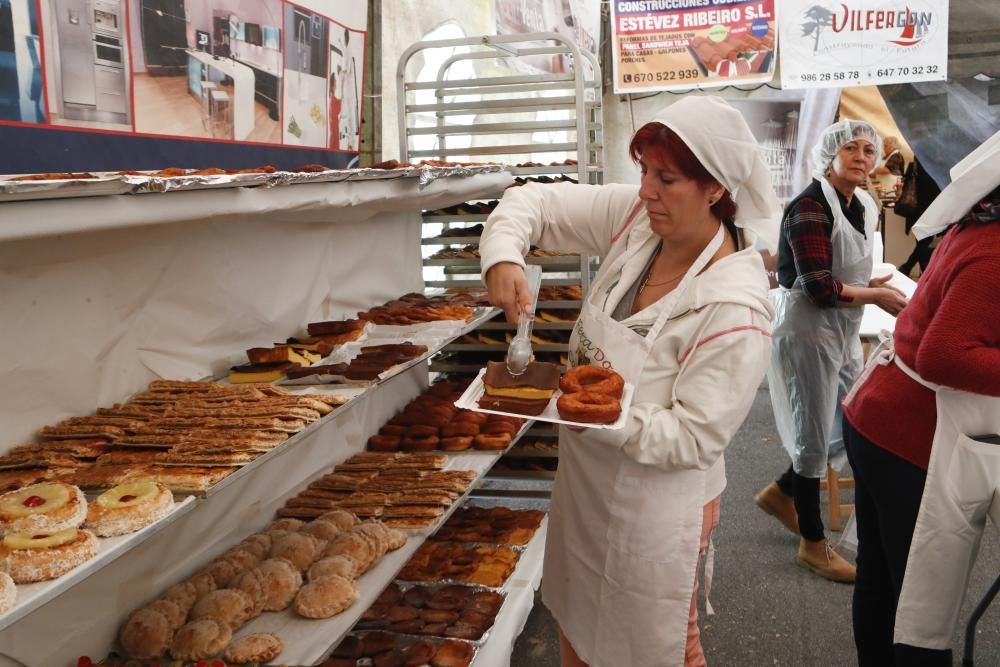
column 971, row 179
column 719, row 137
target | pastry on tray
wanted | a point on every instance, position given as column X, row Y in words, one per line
column 527, row 394
column 129, row 507
column 326, row 596
column 45, row 507
column 200, row 639
column 231, row 606
column 282, row 582
column 39, row 556
column 145, row 635
column 257, row 648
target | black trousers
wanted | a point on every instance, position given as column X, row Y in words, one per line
column 887, row 491
column 805, row 492
column 921, row 255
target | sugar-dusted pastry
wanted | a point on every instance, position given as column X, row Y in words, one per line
column 200, row 639
column 8, row 592
column 146, row 634
column 259, row 544
column 323, row 530
column 342, row 566
column 47, row 507
column 326, row 597
column 340, row 518
column 169, row 610
column 298, row 548
column 256, row 648
column 282, row 581
column 128, row 507
column 291, row 525
column 254, row 583
column 184, row 595
column 223, row 572
column 41, row 556
column 231, row 606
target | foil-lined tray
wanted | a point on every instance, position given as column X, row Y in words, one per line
column 405, row 642
column 117, row 184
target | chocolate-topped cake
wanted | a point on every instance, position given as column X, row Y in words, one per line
column 525, row 394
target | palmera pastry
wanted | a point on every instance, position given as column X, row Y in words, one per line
column 256, row 648
column 282, row 581
column 326, row 597
column 145, row 635
column 47, row 507
column 8, row 592
column 128, row 507
column 200, row 639
column 41, row 556
column 231, row 606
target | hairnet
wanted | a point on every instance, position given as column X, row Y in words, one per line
column 722, row 141
column 833, row 139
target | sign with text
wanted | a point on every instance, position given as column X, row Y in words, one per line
column 681, row 44
column 579, row 20
column 840, row 43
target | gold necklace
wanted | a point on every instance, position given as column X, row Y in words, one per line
column 645, row 281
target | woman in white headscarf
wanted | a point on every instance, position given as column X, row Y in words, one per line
column 679, row 308
column 825, row 261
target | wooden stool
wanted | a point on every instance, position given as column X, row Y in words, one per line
column 836, row 511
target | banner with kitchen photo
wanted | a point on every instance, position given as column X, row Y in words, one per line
column 579, row 20
column 841, row 43
column 684, row 44
column 147, row 84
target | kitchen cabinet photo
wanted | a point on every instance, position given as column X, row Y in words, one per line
column 307, row 49
column 22, row 98
column 208, row 68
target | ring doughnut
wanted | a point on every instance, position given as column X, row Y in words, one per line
column 422, row 430
column 468, row 416
column 592, row 379
column 392, row 429
column 458, row 443
column 496, row 427
column 460, row 428
column 588, row 407
column 492, row 441
column 384, row 443
column 423, row 443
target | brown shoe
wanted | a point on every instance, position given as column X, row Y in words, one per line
column 824, row 561
column 780, row 506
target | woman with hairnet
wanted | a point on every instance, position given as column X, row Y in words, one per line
column 825, row 260
column 679, row 308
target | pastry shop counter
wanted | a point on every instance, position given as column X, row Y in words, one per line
column 349, row 201
column 32, row 596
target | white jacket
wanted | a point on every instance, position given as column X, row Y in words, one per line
column 707, row 363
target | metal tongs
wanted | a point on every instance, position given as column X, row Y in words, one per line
column 519, row 353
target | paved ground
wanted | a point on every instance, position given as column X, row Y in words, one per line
column 768, row 610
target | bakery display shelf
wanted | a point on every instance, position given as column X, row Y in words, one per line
column 554, row 169
column 542, row 430
column 555, row 282
column 308, row 641
column 533, row 451
column 545, row 305
column 456, row 218
column 494, row 453
column 450, row 240
column 32, row 596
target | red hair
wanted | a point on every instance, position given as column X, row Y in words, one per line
column 659, row 142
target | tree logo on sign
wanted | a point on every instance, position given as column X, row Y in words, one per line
column 818, row 18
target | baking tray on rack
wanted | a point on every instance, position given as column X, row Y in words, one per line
column 11, row 190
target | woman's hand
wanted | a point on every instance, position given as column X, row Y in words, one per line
column 889, row 299
column 878, row 282
column 508, row 289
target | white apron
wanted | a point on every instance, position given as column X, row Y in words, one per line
column 816, row 352
column 623, row 539
column 962, row 488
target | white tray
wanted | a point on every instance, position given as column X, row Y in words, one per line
column 470, row 401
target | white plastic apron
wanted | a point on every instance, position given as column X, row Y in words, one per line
column 962, row 488
column 816, row 352
column 623, row 541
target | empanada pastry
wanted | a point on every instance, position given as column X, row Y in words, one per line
column 291, row 525
column 184, row 595
column 326, row 597
column 256, row 648
column 243, row 558
column 298, row 548
column 352, row 545
column 259, row 544
column 231, row 606
column 222, row 571
column 282, row 581
column 203, row 583
column 146, row 634
column 47, row 507
column 254, row 583
column 340, row 518
column 200, row 639
column 342, row 566
column 323, row 530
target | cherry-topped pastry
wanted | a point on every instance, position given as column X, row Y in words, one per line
column 128, row 507
column 47, row 507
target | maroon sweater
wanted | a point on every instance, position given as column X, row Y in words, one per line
column 949, row 333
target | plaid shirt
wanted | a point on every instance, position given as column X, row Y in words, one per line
column 805, row 250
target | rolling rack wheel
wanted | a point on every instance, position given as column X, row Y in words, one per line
column 970, row 630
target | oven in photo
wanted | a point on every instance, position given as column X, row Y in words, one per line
column 108, row 51
column 106, row 18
